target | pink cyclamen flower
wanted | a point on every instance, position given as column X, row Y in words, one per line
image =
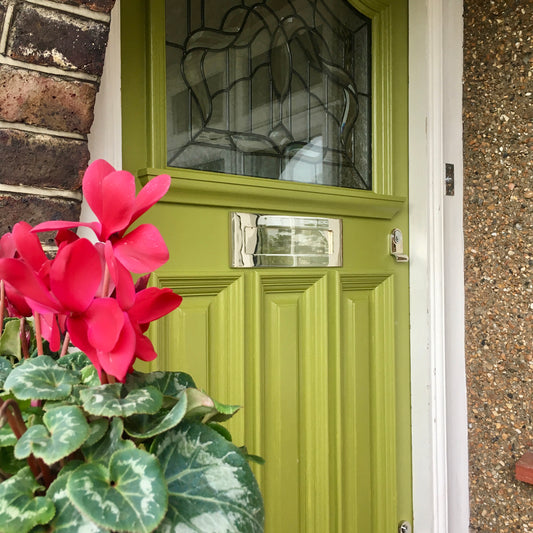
column 110, row 194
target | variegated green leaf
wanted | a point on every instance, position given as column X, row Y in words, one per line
column 89, row 376
column 202, row 407
column 112, row 441
column 5, row 369
column 74, row 361
column 167, row 383
column 107, row 400
column 10, row 339
column 65, row 429
column 8, row 463
column 129, row 495
column 20, row 509
column 41, row 379
column 211, row 487
column 67, row 518
column 147, row 426
column 97, row 429
column 7, row 437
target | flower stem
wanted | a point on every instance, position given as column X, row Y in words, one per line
column 23, row 340
column 2, row 304
column 11, row 411
column 38, row 338
column 107, row 278
column 66, row 342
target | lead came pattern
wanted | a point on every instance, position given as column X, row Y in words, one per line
column 274, row 89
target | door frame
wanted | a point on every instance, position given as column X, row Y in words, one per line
column 438, row 389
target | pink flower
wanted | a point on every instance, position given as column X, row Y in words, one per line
column 111, row 195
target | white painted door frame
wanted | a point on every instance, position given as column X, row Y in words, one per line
column 440, row 467
column 438, row 385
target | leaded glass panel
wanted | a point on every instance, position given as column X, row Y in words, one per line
column 276, row 89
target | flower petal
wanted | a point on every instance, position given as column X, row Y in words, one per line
column 150, row 194
column 104, row 320
column 28, row 245
column 118, row 361
column 23, row 279
column 153, row 303
column 144, row 349
column 7, row 245
column 75, row 275
column 16, row 303
column 54, row 225
column 125, row 289
column 77, row 329
column 142, row 250
column 50, row 330
column 65, row 236
column 92, row 183
column 118, row 191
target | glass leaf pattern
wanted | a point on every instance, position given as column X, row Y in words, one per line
column 270, row 79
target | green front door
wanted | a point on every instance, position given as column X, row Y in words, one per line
column 317, row 355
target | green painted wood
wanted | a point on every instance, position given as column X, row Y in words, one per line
column 318, row 357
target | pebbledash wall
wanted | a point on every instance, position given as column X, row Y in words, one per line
column 498, row 218
column 51, row 59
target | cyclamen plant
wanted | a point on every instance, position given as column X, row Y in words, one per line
column 86, row 442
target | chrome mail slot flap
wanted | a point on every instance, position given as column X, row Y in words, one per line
column 285, row 241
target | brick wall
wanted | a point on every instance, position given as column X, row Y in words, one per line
column 51, row 59
column 498, row 210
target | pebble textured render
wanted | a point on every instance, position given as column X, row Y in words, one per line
column 51, row 60
column 498, row 217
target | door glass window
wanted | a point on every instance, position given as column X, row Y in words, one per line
column 276, row 89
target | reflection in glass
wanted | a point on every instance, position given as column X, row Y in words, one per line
column 272, row 89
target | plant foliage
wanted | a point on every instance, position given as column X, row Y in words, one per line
column 86, row 442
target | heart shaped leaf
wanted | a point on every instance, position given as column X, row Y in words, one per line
column 107, row 400
column 20, row 509
column 102, row 450
column 8, row 463
column 5, row 370
column 10, row 339
column 7, row 437
column 65, row 429
column 202, row 407
column 67, row 518
column 129, row 495
column 147, row 426
column 41, row 379
column 97, row 429
column 211, row 487
column 167, row 383
column 74, row 361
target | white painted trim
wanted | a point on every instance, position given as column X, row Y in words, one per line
column 457, row 427
column 105, row 138
column 440, row 465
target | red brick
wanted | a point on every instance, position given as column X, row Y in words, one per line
column 50, row 102
column 41, row 160
column 524, row 468
column 35, row 209
column 49, row 37
column 103, row 6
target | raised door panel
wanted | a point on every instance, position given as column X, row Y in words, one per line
column 205, row 336
column 291, row 362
